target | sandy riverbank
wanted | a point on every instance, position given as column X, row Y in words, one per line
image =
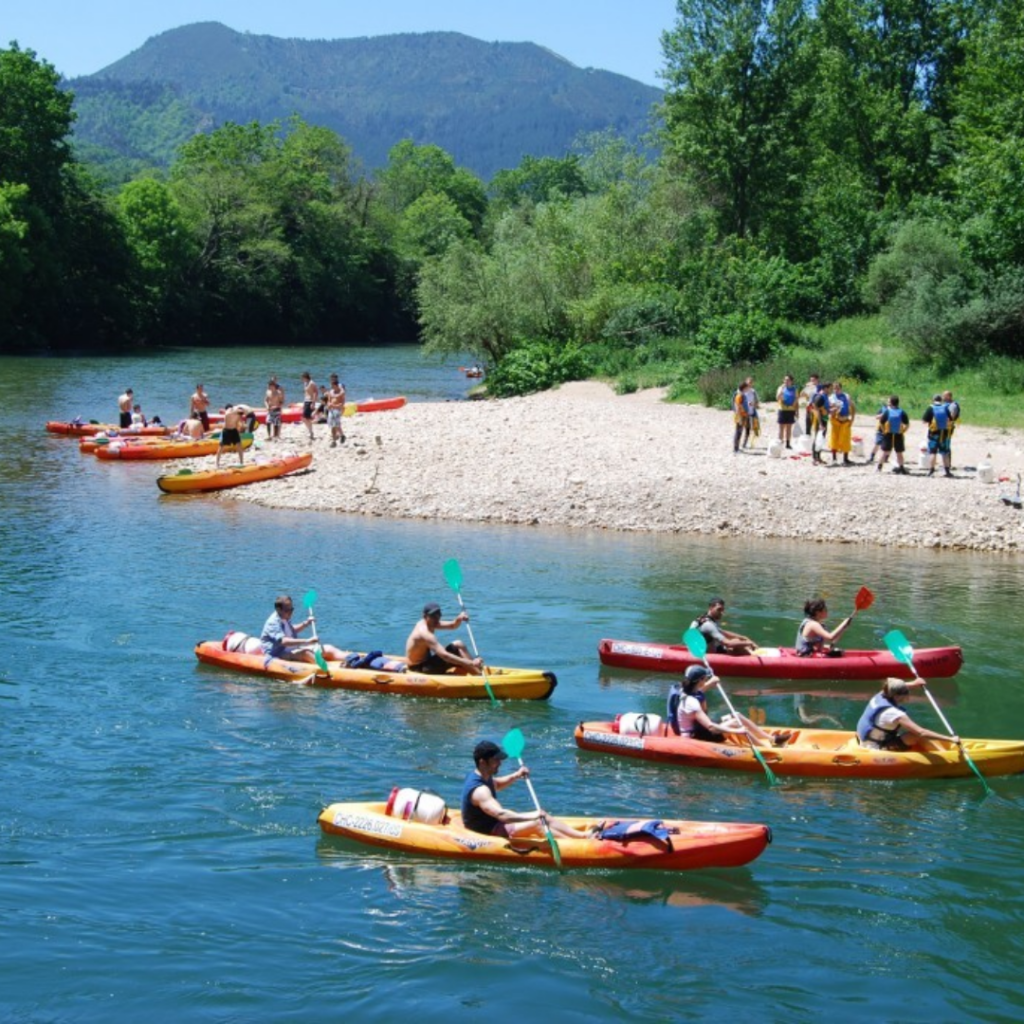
column 584, row 457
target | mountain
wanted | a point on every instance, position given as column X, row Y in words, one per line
column 488, row 104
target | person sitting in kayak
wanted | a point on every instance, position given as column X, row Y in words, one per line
column 280, row 639
column 721, row 641
column 481, row 811
column 426, row 654
column 884, row 725
column 687, row 714
column 812, row 638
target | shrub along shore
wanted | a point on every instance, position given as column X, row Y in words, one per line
column 583, row 457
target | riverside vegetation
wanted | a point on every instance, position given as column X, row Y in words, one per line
column 836, row 189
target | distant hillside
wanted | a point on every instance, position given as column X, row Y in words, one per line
column 488, row 104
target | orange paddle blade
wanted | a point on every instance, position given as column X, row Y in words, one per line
column 864, row 599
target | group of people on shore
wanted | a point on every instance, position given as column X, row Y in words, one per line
column 829, row 413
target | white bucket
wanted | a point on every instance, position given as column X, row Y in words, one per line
column 633, row 724
column 416, row 805
column 805, row 444
column 924, row 460
column 986, row 473
column 857, row 448
column 775, row 449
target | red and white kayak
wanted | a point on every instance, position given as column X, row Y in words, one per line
column 783, row 662
column 77, row 429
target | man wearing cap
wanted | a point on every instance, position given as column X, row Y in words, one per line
column 425, row 653
column 721, row 641
column 481, row 811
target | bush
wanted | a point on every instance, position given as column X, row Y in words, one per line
column 537, row 366
column 733, row 338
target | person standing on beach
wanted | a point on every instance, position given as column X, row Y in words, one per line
column 200, row 407
column 940, row 433
column 819, row 420
column 274, row 400
column 124, row 408
column 336, row 410
column 841, row 411
column 231, row 431
column 740, row 416
column 310, row 397
column 789, row 403
column 753, row 424
column 892, row 424
column 810, row 392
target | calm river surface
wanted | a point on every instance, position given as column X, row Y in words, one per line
column 159, row 853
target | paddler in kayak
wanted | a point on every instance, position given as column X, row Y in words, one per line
column 687, row 713
column 231, row 431
column 721, row 641
column 481, row 811
column 279, row 638
column 426, row 654
column 812, row 638
column 884, row 725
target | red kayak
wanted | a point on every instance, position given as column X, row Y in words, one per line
column 77, row 429
column 783, row 662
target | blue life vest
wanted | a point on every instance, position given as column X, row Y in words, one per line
column 624, row 831
column 844, row 404
column 788, row 399
column 867, row 729
column 675, row 696
column 893, row 422
column 940, row 418
column 472, row 817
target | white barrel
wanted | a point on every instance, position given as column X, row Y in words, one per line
column 924, row 460
column 857, row 448
column 805, row 443
column 633, row 724
column 986, row 473
column 775, row 449
column 416, row 805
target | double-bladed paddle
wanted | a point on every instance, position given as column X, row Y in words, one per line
column 902, row 650
column 513, row 745
column 697, row 645
column 309, row 600
column 453, row 577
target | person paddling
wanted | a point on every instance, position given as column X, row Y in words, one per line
column 884, row 725
column 280, row 636
column 687, row 713
column 812, row 638
column 721, row 641
column 425, row 653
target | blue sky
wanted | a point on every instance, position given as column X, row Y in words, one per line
column 83, row 36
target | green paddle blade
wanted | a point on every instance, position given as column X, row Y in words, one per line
column 513, row 743
column 900, row 647
column 310, row 599
column 696, row 643
column 320, row 661
column 453, row 574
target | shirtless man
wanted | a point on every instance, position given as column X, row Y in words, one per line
column 425, row 653
column 200, row 406
column 335, row 410
column 124, row 407
column 191, row 428
column 231, row 432
column 310, row 397
column 274, row 400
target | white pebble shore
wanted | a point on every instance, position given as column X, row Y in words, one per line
column 583, row 457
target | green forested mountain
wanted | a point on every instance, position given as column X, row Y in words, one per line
column 488, row 104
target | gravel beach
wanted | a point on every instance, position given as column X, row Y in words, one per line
column 583, row 457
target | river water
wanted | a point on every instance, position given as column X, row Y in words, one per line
column 159, row 853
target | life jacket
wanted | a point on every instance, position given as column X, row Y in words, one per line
column 624, row 831
column 806, row 646
column 472, row 817
column 940, row 418
column 739, row 407
column 675, row 696
column 787, row 399
column 843, row 413
column 868, row 729
column 750, row 402
column 893, row 422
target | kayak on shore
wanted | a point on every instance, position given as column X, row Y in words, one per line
column 293, row 413
column 77, row 429
column 783, row 662
column 188, row 481
column 808, row 753
column 181, row 449
column 506, row 683
column 689, row 845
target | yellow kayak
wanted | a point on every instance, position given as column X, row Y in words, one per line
column 191, row 481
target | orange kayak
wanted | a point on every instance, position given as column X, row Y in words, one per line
column 189, row 481
column 506, row 683
column 689, row 845
column 810, row 753
column 163, row 449
column 75, row 429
